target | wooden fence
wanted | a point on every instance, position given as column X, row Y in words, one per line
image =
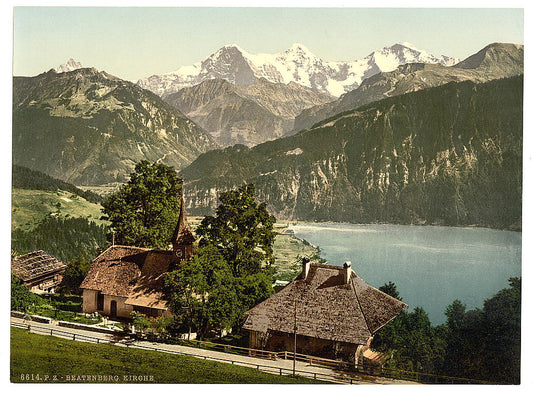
column 343, row 376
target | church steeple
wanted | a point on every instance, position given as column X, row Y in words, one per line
column 182, row 239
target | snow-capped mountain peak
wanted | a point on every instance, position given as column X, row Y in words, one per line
column 69, row 66
column 299, row 48
column 296, row 64
column 409, row 45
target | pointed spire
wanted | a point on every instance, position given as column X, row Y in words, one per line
column 182, row 233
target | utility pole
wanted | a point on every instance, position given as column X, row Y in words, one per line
column 294, row 356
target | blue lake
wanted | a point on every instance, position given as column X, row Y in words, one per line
column 430, row 265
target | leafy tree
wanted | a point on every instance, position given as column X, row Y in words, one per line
column 482, row 344
column 485, row 343
column 140, row 321
column 391, row 290
column 22, row 299
column 414, row 345
column 202, row 292
column 502, row 326
column 232, row 270
column 253, row 289
column 74, row 274
column 455, row 314
column 144, row 211
column 242, row 230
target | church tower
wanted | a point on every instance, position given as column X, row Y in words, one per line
column 182, row 239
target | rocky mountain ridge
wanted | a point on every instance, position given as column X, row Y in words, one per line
column 497, row 60
column 296, row 64
column 247, row 115
column 89, row 128
column 449, row 155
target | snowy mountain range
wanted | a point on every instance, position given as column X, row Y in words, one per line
column 69, row 66
column 297, row 64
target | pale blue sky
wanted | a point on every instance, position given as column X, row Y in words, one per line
column 137, row 42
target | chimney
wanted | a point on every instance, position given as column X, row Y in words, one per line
column 306, row 265
column 346, row 271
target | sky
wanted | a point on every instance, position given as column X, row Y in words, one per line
column 136, row 42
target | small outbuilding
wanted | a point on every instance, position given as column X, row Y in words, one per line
column 38, row 270
column 333, row 312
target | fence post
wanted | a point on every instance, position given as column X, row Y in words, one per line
column 73, row 336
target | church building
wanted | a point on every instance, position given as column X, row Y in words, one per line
column 124, row 279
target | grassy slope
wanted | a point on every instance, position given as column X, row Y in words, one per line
column 29, row 207
column 288, row 251
column 46, row 355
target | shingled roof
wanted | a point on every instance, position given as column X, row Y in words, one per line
column 34, row 265
column 327, row 307
column 182, row 233
column 131, row 272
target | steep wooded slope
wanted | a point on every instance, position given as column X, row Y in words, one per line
column 446, row 155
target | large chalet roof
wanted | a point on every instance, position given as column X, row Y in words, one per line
column 131, row 272
column 34, row 265
column 182, row 234
column 327, row 307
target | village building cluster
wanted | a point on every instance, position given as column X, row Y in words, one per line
column 327, row 311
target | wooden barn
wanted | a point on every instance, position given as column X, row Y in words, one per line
column 124, row 279
column 38, row 270
column 335, row 314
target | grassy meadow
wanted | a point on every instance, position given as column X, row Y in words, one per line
column 29, row 207
column 49, row 357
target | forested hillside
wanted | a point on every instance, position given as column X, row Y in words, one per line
column 24, row 178
column 450, row 155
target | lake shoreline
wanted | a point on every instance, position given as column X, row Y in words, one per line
column 431, row 265
column 510, row 229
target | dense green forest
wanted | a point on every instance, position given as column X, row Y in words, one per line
column 67, row 239
column 25, row 178
column 482, row 344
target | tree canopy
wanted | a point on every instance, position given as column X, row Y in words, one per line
column 242, row 230
column 481, row 344
column 145, row 210
column 232, row 270
column 202, row 292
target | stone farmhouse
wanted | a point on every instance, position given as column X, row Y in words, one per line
column 124, row 279
column 333, row 312
column 38, row 270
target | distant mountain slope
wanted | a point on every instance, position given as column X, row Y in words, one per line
column 24, row 178
column 30, row 206
column 88, row 127
column 492, row 62
column 246, row 115
column 296, row 64
column 450, row 155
